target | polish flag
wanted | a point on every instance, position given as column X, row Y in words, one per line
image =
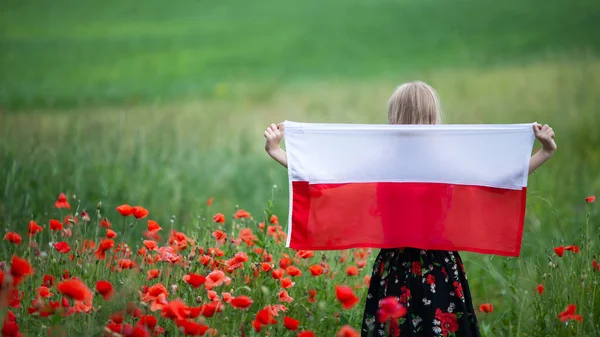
column 439, row 187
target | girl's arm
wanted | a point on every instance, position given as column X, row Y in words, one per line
column 545, row 135
column 274, row 134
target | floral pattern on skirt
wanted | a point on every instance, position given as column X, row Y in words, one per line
column 433, row 287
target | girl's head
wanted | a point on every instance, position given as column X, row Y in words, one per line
column 414, row 103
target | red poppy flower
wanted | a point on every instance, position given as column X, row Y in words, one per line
column 266, row 266
column 139, row 212
column 105, row 289
column 346, row 296
column 148, row 321
column 13, row 237
column 305, row 254
column 574, row 249
column 290, row 323
column 44, row 291
column 62, row 247
column 274, row 220
column 75, row 289
column 219, row 235
column 569, row 314
column 285, row 297
column 306, row 334
column 56, row 225
column 315, row 270
column 125, row 210
column 265, row 317
column 352, row 271
column 595, row 265
column 152, row 274
column 103, row 246
column 189, row 328
column 540, row 288
column 286, row 283
column 390, row 308
column 111, row 234
column 34, row 228
column 150, row 244
column 62, row 202
column 125, row 263
column 19, row 269
column 208, row 310
column 215, row 279
column 219, row 218
column 241, row 214
column 347, row 331
column 311, row 296
column 367, row 280
column 153, row 227
column 241, row 302
column 293, row 271
column 560, row 250
column 195, row 280
column 486, row 307
column 48, row 280
column 174, row 310
column 277, row 273
column 105, row 223
column 590, row 199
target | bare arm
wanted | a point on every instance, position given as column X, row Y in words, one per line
column 273, row 135
column 545, row 135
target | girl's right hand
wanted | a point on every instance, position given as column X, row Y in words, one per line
column 545, row 135
column 273, row 134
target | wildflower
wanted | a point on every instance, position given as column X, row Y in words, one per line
column 486, row 307
column 560, row 250
column 241, row 214
column 152, row 274
column 367, row 280
column 150, row 244
column 307, row 333
column 347, row 331
column 62, row 247
column 139, row 212
column 153, row 227
column 220, row 236
column 148, row 321
column 219, row 218
column 569, row 314
column 274, row 220
column 305, row 254
column 352, row 271
column 346, row 296
column 390, row 309
column 19, row 269
column 125, row 263
column 34, row 228
column 62, row 202
column 111, row 234
column 209, row 202
column 540, row 289
column 215, row 279
column 290, row 323
column 574, row 249
column 105, row 223
column 55, row 225
column 311, row 296
column 13, row 237
column 44, row 292
column 285, row 297
column 241, row 302
column 277, row 273
column 189, row 328
column 103, row 246
column 286, row 283
column 75, row 289
column 293, row 271
column 105, row 289
column 590, row 199
column 125, row 210
column 85, row 216
column 48, row 280
column 195, row 280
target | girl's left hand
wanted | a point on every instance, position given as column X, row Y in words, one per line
column 545, row 135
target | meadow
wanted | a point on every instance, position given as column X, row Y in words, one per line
column 164, row 107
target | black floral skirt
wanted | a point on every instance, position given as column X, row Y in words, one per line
column 433, row 287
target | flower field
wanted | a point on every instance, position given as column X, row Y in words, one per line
column 72, row 274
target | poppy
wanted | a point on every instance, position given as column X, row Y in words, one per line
column 277, row 273
column 19, row 269
column 241, row 302
column 105, row 289
column 105, row 223
column 540, row 289
column 55, row 225
column 346, row 296
column 139, row 212
column 274, row 220
column 219, row 218
column 569, row 314
column 148, row 321
column 590, row 199
column 62, row 247
column 13, row 237
column 62, row 202
column 153, row 227
column 242, row 214
column 290, row 323
column 285, row 297
column 390, row 309
column 75, row 289
column 486, row 307
column 286, row 283
column 195, row 280
column 306, row 334
column 125, row 210
column 293, row 271
column 215, row 279
column 311, row 296
column 305, row 254
column 347, row 331
column 352, row 271
column 34, row 228
column 111, row 234
column 560, row 250
column 103, row 246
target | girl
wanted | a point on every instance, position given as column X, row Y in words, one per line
column 439, row 304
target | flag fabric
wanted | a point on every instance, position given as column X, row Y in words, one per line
column 442, row 187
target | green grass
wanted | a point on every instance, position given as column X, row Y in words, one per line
column 164, row 106
column 70, row 53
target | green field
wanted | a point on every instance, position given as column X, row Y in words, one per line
column 164, row 105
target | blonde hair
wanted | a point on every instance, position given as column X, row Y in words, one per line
column 414, row 103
